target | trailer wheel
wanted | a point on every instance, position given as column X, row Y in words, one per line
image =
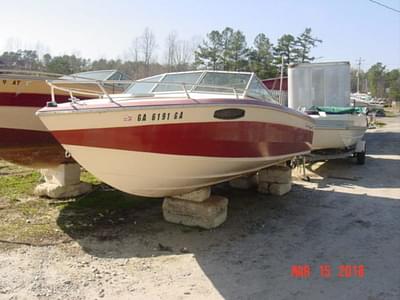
column 360, row 156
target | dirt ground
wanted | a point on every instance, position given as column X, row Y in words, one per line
column 346, row 215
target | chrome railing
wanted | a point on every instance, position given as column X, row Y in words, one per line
column 188, row 89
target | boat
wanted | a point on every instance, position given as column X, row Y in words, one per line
column 174, row 133
column 366, row 100
column 24, row 139
column 322, row 90
column 337, row 127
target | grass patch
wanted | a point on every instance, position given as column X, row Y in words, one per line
column 14, row 186
column 379, row 124
column 89, row 178
column 390, row 113
column 32, row 221
column 101, row 200
column 102, row 213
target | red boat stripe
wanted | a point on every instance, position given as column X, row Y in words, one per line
column 217, row 139
column 28, row 99
column 15, row 138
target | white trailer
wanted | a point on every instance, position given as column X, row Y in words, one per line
column 319, row 84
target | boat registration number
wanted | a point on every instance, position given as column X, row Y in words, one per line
column 149, row 117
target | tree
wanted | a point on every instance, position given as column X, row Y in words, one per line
column 286, row 47
column 21, row 59
column 305, row 42
column 66, row 64
column 148, row 43
column 376, row 79
column 261, row 57
column 134, row 49
column 238, row 58
column 209, row 53
column 226, row 43
column 183, row 55
column 392, row 79
column 172, row 45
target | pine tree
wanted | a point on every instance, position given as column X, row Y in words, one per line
column 261, row 57
column 305, row 42
column 209, row 53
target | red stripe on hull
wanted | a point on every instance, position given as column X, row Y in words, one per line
column 215, row 139
column 31, row 148
column 28, row 99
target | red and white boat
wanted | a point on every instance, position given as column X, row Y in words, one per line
column 173, row 133
column 24, row 139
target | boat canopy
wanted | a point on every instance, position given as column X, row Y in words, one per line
column 239, row 83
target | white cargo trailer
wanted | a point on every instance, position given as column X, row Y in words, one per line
column 319, row 84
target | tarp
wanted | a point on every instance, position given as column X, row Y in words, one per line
column 337, row 110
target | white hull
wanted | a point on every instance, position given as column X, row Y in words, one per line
column 338, row 131
column 158, row 175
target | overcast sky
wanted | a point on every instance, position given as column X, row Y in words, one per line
column 349, row 28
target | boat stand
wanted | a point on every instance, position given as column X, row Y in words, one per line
column 62, row 182
column 198, row 208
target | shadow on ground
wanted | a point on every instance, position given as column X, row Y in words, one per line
column 263, row 237
column 346, row 173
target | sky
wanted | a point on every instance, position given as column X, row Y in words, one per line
column 350, row 29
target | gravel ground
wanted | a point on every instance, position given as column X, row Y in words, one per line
column 346, row 215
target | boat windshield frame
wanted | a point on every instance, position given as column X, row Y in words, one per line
column 244, row 92
column 241, row 91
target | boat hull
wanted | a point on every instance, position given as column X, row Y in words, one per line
column 24, row 139
column 338, row 131
column 167, row 150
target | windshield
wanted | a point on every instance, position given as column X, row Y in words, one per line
column 96, row 75
column 203, row 82
column 223, row 82
column 143, row 87
column 184, row 78
column 257, row 90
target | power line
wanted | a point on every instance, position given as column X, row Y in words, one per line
column 384, row 5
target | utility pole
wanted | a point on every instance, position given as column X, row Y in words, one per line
column 358, row 74
column 281, row 82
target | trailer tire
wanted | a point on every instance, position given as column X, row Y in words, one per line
column 360, row 156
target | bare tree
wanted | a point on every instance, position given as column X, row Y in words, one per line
column 183, row 55
column 134, row 49
column 171, row 50
column 148, row 45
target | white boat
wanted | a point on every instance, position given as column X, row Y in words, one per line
column 365, row 100
column 338, row 131
column 323, row 91
column 174, row 133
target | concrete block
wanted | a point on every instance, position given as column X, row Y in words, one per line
column 207, row 214
column 53, row 190
column 275, row 174
column 263, row 188
column 64, row 174
column 196, row 196
column 280, row 189
column 243, row 183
